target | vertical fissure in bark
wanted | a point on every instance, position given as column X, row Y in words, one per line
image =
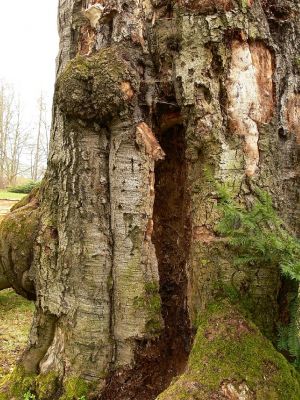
column 171, row 239
column 111, row 283
column 39, row 343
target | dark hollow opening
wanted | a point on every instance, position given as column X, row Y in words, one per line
column 171, row 240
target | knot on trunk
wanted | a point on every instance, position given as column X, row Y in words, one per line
column 99, row 87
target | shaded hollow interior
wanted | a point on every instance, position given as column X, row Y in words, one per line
column 171, row 239
column 159, row 361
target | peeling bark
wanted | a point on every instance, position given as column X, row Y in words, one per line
column 250, row 96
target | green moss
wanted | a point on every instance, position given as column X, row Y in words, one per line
column 18, row 231
column 151, row 302
column 16, row 384
column 75, row 388
column 244, row 5
column 31, row 197
column 46, row 385
column 16, row 317
column 110, row 283
column 154, row 326
column 132, row 266
column 90, row 88
column 250, row 306
column 229, row 348
column 153, row 297
column 23, row 202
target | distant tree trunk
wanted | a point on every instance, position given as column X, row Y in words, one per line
column 17, row 141
column 13, row 138
column 6, row 118
column 1, row 136
column 155, row 103
column 37, row 149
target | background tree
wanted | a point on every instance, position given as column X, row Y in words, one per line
column 6, row 120
column 155, row 105
column 39, row 152
column 15, row 146
column 23, row 150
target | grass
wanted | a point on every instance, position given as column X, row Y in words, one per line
column 15, row 321
column 4, row 195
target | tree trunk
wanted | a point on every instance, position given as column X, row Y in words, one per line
column 155, row 104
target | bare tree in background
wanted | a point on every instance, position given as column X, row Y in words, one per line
column 16, row 143
column 13, row 136
column 39, row 151
column 6, row 117
column 23, row 150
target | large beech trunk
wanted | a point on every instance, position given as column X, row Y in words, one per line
column 154, row 102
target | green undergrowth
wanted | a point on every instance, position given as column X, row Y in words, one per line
column 19, row 385
column 229, row 351
column 75, row 388
column 258, row 237
column 29, row 396
column 5, row 195
column 25, row 188
column 15, row 320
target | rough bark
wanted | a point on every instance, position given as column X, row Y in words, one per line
column 154, row 104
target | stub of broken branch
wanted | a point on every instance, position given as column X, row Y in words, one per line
column 146, row 137
column 93, row 13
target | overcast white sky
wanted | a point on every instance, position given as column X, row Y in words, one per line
column 28, row 45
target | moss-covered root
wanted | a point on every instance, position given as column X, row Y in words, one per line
column 18, row 384
column 18, row 231
column 231, row 359
column 49, row 387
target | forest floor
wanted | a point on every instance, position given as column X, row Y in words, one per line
column 15, row 320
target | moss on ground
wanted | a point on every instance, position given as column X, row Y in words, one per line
column 75, row 388
column 16, row 384
column 46, row 385
column 15, row 320
column 43, row 387
column 230, row 355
